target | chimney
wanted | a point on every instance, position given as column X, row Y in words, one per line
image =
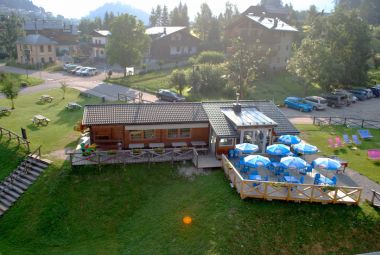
column 164, row 30
column 275, row 23
column 237, row 106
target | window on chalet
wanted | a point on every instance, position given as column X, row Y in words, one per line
column 172, row 133
column 43, row 60
column 179, row 133
column 149, row 134
column 49, row 48
column 41, row 48
column 184, row 132
column 226, row 142
column 136, row 134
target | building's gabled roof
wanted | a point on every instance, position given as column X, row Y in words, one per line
column 162, row 31
column 274, row 24
column 138, row 114
column 101, row 33
column 36, row 39
column 224, row 128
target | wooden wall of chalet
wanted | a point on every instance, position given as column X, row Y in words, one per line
column 109, row 136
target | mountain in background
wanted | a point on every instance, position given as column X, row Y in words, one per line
column 20, row 4
column 119, row 8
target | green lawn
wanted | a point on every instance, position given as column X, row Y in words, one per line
column 149, row 82
column 60, row 131
column 10, row 157
column 357, row 158
column 31, row 81
column 138, row 210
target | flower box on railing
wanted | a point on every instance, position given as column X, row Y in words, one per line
column 159, row 150
column 136, row 152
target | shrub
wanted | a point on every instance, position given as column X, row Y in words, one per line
column 210, row 57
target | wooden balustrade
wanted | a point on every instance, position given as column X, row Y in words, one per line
column 13, row 136
column 288, row 191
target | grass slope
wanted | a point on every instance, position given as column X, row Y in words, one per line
column 138, row 210
column 357, row 158
column 30, row 80
column 10, row 157
column 59, row 133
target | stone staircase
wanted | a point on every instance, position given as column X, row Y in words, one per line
column 20, row 179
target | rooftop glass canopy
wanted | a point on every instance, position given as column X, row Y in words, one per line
column 248, row 117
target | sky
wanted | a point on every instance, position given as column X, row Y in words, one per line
column 81, row 8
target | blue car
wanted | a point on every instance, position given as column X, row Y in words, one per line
column 298, row 104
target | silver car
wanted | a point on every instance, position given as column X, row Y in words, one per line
column 318, row 103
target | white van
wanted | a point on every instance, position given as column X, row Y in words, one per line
column 318, row 103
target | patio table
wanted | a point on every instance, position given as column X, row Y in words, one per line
column 198, row 143
column 46, row 98
column 343, row 163
column 291, row 179
column 73, row 106
column 136, row 146
column 40, row 119
column 4, row 110
column 156, row 145
column 179, row 144
column 255, row 177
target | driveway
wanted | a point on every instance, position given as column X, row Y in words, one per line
column 368, row 109
column 93, row 85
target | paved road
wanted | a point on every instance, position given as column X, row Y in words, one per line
column 91, row 85
column 369, row 110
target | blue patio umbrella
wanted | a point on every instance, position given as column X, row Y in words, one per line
column 305, row 148
column 326, row 163
column 247, row 147
column 278, row 150
column 293, row 163
column 256, row 161
column 289, row 139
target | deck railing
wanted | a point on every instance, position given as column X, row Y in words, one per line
column 131, row 156
column 288, row 191
column 13, row 136
column 346, row 121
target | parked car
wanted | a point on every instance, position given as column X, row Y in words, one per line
column 375, row 91
column 73, row 71
column 298, row 104
column 167, row 95
column 360, row 94
column 335, row 99
column 318, row 103
column 350, row 97
column 79, row 71
column 368, row 92
column 69, row 67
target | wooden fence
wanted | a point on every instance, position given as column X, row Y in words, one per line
column 351, row 122
column 375, row 201
column 288, row 191
column 131, row 156
column 5, row 133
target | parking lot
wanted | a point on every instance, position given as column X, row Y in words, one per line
column 368, row 109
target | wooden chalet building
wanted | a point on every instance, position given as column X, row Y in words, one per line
column 217, row 126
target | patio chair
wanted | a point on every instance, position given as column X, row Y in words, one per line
column 331, row 143
column 316, row 178
column 302, row 179
column 266, row 178
column 334, row 180
column 231, row 153
column 365, row 134
column 338, row 142
column 346, row 139
column 374, row 154
column 355, row 140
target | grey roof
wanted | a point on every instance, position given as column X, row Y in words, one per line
column 155, row 113
column 284, row 126
column 269, row 23
column 36, row 39
column 225, row 128
column 248, row 117
column 103, row 33
column 162, row 31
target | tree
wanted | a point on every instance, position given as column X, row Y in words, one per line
column 210, row 57
column 276, row 3
column 153, row 18
column 9, row 87
column 63, row 88
column 10, row 31
column 179, row 16
column 313, row 64
column 165, row 16
column 244, row 65
column 127, row 42
column 203, row 21
column 178, row 80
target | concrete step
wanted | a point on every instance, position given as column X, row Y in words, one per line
column 3, row 207
column 44, row 161
column 8, row 197
column 5, row 201
column 18, row 184
column 24, row 181
column 13, row 186
column 10, row 191
column 31, row 171
column 25, row 175
column 37, row 162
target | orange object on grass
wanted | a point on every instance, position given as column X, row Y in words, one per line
column 187, row 220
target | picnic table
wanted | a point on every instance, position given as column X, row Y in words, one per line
column 73, row 106
column 179, row 144
column 46, row 98
column 4, row 111
column 136, row 146
column 342, row 162
column 156, row 145
column 198, row 143
column 40, row 120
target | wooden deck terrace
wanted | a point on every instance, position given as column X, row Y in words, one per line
column 290, row 192
column 199, row 156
